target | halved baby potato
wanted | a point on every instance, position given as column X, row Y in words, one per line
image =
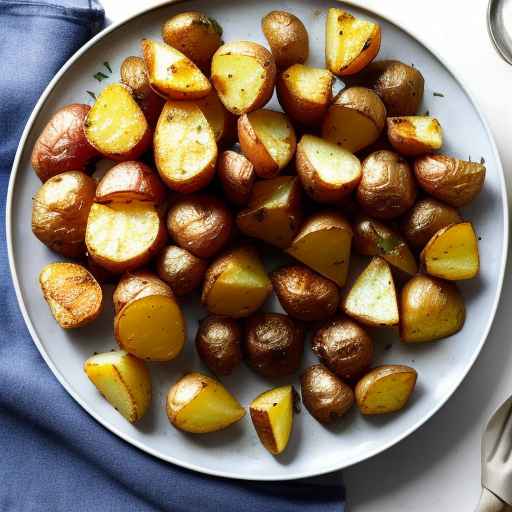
column 267, row 139
column 236, row 175
column 221, row 121
column 415, row 135
column 328, row 172
column 123, row 380
column 452, row 253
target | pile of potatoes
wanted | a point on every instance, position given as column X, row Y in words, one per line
column 205, row 177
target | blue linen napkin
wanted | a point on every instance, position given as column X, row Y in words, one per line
column 53, row 456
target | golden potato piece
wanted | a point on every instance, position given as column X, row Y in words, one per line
column 123, row 380
column 385, row 389
column 74, row 296
column 236, row 175
column 221, row 121
column 415, row 135
column 350, row 43
column 116, row 125
column 274, row 211
column 272, row 417
column 430, row 309
column 243, row 74
column 323, row 244
column 185, row 147
column 199, row 404
column 355, row 119
column 372, row 299
column 172, row 74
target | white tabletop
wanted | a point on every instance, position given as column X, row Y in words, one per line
column 437, row 469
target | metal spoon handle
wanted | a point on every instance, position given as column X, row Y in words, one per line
column 489, row 502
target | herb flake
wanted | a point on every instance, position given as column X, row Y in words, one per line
column 438, row 94
column 107, row 65
column 91, row 94
column 100, row 76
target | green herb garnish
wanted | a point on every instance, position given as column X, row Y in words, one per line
column 107, row 65
column 100, row 76
column 439, row 94
column 91, row 94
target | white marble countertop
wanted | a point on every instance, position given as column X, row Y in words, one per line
column 437, row 469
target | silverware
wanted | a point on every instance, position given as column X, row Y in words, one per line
column 499, row 24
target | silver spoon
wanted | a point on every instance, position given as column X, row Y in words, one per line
column 499, row 23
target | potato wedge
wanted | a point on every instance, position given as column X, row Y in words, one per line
column 372, row 299
column 452, row 253
column 200, row 404
column 449, row 179
column 272, row 417
column 122, row 237
column 222, row 122
column 267, row 139
column 184, row 146
column 328, row 172
column 350, row 43
column 430, row 309
column 415, row 135
column 73, row 295
column 305, row 93
column 236, row 284
column 236, row 175
column 123, row 380
column 355, row 119
column 323, row 244
column 116, row 125
column 243, row 74
column 274, row 211
column 385, row 389
column 172, row 74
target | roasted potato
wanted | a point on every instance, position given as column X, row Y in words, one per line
column 73, row 295
column 199, row 404
column 122, row 237
column 328, row 172
column 274, row 211
column 304, row 93
column 222, row 122
column 452, row 253
column 184, row 147
column 274, row 344
column 218, row 343
column 387, row 188
column 344, row 347
column 272, row 417
column 325, row 396
column 267, row 139
column 385, row 389
column 62, row 145
column 60, row 209
column 200, row 223
column 172, row 74
column 195, row 35
column 449, row 179
column 373, row 238
column 372, row 299
column 355, row 119
column 323, row 244
column 236, row 284
column 415, row 135
column 304, row 294
column 287, row 38
column 236, row 175
column 243, row 74
column 123, row 380
column 430, row 309
column 179, row 268
column 350, row 43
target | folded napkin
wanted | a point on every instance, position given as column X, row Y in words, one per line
column 54, row 456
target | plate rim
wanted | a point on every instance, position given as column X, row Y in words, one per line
column 195, row 467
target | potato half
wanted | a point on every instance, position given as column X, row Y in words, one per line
column 236, row 175
column 415, row 135
column 221, row 121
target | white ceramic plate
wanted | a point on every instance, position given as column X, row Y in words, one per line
column 236, row 452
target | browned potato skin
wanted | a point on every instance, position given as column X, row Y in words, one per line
column 304, row 294
column 325, row 396
column 179, row 268
column 62, row 145
column 102, row 275
column 236, row 175
column 273, row 344
column 445, row 178
column 218, row 344
column 387, row 188
column 200, row 223
column 60, row 222
column 344, row 347
column 425, row 219
column 287, row 37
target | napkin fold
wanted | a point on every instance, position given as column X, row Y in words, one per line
column 53, row 456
